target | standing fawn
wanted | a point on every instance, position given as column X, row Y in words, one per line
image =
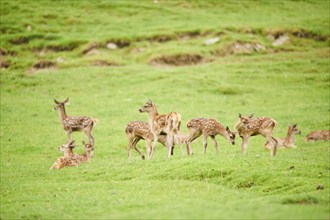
column 248, row 126
column 137, row 130
column 289, row 140
column 71, row 123
column 318, row 135
column 69, row 159
column 207, row 128
column 166, row 124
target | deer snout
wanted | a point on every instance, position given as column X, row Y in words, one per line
column 233, row 142
column 140, row 110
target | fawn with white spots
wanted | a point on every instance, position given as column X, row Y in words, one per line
column 72, row 123
column 139, row 130
column 208, row 128
column 165, row 124
column 248, row 126
column 71, row 159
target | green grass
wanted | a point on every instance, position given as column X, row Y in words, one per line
column 289, row 83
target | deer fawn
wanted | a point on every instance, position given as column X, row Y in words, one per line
column 318, row 135
column 248, row 126
column 69, row 159
column 207, row 128
column 88, row 154
column 137, row 130
column 166, row 124
column 71, row 124
column 289, row 140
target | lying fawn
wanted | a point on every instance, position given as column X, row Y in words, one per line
column 88, row 154
column 318, row 135
column 208, row 128
column 289, row 140
column 69, row 159
column 166, row 124
column 248, row 126
column 71, row 123
column 137, row 130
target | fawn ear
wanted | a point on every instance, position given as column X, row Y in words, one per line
column 57, row 102
column 251, row 115
column 72, row 142
column 240, row 115
column 66, row 100
column 149, row 100
column 227, row 129
column 295, row 125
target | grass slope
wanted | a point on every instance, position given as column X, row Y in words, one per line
column 289, row 83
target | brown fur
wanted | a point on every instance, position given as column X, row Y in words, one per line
column 248, row 126
column 72, row 123
column 318, row 135
column 208, row 128
column 137, row 130
column 166, row 124
column 69, row 159
column 289, row 140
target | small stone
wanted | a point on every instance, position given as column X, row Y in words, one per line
column 112, row 46
column 212, row 41
column 281, row 40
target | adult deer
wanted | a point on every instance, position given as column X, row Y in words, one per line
column 166, row 124
column 248, row 126
column 208, row 128
column 72, row 123
column 289, row 140
column 139, row 130
column 318, row 135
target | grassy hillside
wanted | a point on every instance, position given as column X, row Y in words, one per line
column 60, row 49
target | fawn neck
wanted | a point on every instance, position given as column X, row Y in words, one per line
column 290, row 137
column 87, row 155
column 222, row 131
column 152, row 115
column 69, row 152
column 62, row 113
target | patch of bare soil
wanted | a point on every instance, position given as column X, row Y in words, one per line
column 91, row 46
column 103, row 63
column 44, row 64
column 178, row 60
column 120, row 43
column 4, row 64
column 20, row 40
column 239, row 48
column 301, row 33
column 5, row 52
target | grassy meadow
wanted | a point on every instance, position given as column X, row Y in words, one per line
column 60, row 49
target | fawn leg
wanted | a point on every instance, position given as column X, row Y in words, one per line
column 215, row 144
column 205, row 142
column 244, row 144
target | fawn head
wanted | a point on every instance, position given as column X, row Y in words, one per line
column 88, row 148
column 58, row 104
column 147, row 106
column 245, row 119
column 231, row 136
column 293, row 129
column 65, row 147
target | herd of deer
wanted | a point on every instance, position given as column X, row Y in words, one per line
column 165, row 129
